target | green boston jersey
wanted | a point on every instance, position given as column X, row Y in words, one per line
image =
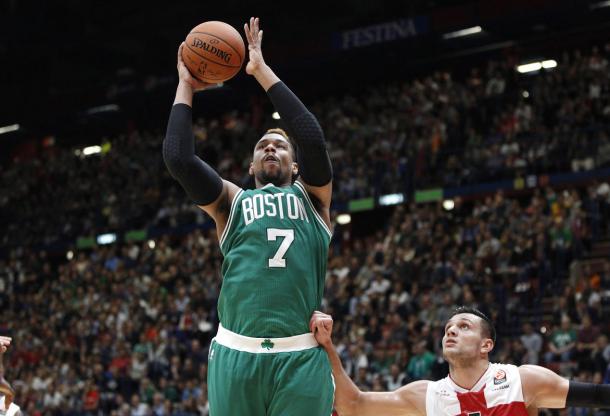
column 275, row 248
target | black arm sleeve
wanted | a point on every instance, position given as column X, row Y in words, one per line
column 588, row 395
column 201, row 183
column 314, row 163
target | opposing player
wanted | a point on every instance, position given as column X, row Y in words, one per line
column 474, row 386
column 264, row 360
column 7, row 407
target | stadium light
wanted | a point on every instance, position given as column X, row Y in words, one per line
column 464, row 32
column 525, row 94
column 106, row 238
column 70, row 255
column 448, row 204
column 275, row 115
column 391, row 199
column 536, row 66
column 599, row 5
column 91, row 150
column 8, row 129
column 343, row 219
column 103, row 109
column 151, row 244
column 550, row 63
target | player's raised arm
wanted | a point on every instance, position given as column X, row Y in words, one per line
column 543, row 388
column 202, row 184
column 315, row 168
column 350, row 400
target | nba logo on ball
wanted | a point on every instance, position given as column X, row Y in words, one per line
column 500, row 377
column 201, row 68
column 214, row 52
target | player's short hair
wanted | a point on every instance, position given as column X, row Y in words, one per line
column 488, row 328
column 283, row 133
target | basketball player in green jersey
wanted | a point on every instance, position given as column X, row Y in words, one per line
column 264, row 361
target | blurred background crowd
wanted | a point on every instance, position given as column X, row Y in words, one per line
column 124, row 328
column 393, row 137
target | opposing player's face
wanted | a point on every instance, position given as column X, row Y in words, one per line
column 272, row 161
column 464, row 338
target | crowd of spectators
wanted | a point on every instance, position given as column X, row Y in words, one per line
column 124, row 329
column 395, row 137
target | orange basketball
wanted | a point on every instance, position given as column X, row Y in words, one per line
column 214, row 52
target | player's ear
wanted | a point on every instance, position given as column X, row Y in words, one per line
column 295, row 168
column 251, row 170
column 487, row 345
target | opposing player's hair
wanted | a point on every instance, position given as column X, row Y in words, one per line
column 489, row 330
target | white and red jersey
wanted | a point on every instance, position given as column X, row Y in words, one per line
column 12, row 410
column 497, row 393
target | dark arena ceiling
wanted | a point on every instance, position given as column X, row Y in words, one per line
column 60, row 59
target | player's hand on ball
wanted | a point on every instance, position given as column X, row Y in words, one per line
column 321, row 325
column 255, row 40
column 186, row 77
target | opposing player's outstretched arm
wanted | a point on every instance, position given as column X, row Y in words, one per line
column 350, row 400
column 202, row 184
column 542, row 388
column 315, row 168
column 5, row 387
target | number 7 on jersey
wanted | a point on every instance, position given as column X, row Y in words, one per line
column 278, row 259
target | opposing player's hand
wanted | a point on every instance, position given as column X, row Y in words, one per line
column 4, row 343
column 186, row 77
column 255, row 41
column 321, row 326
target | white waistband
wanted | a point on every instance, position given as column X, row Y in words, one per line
column 264, row 345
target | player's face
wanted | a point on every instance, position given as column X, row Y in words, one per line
column 272, row 161
column 464, row 339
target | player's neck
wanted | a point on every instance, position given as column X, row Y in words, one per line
column 466, row 375
column 261, row 184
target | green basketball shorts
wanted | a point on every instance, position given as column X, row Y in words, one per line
column 268, row 377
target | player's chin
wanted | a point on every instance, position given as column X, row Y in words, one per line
column 450, row 352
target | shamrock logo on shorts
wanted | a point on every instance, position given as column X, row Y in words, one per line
column 267, row 344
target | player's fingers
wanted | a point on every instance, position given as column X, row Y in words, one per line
column 322, row 315
column 328, row 324
column 247, row 32
column 313, row 322
column 180, row 61
column 320, row 327
column 325, row 319
column 260, row 37
column 256, row 24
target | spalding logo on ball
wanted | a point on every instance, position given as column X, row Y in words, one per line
column 214, row 52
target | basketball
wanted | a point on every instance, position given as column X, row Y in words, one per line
column 214, row 52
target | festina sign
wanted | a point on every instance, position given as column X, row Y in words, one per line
column 380, row 33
